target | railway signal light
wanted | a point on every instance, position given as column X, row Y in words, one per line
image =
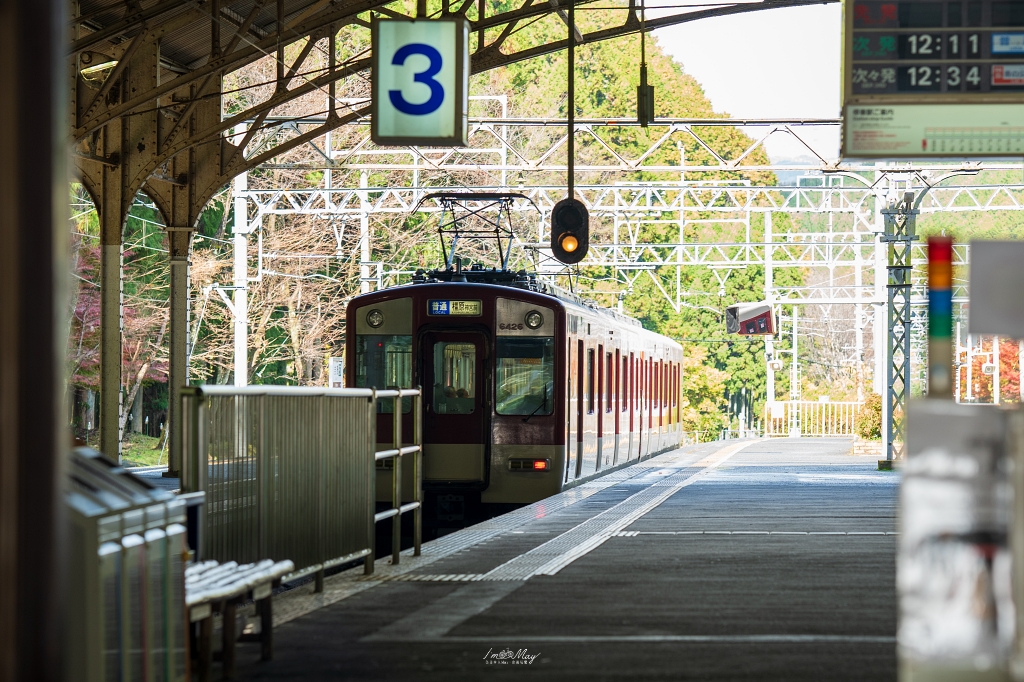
column 570, row 231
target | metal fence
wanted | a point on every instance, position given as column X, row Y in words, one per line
column 289, row 473
column 784, row 418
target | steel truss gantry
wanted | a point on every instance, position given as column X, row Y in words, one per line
column 630, row 205
column 146, row 87
column 872, row 195
column 498, row 143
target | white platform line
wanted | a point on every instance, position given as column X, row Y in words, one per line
column 604, row 525
column 296, row 603
column 636, row 533
column 435, row 620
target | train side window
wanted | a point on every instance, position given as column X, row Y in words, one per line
column 384, row 361
column 454, row 390
column 679, row 392
column 664, row 384
column 590, row 381
column 525, row 376
column 609, row 383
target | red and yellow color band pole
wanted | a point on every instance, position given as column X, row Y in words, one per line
column 940, row 317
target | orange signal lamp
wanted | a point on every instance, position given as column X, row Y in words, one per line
column 570, row 243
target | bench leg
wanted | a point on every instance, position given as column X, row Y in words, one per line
column 266, row 629
column 229, row 638
column 205, row 648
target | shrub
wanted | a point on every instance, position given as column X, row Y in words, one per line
column 869, row 418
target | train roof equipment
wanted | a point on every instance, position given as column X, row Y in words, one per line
column 476, row 215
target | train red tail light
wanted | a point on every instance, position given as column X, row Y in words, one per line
column 529, row 464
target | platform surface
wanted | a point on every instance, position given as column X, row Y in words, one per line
column 737, row 560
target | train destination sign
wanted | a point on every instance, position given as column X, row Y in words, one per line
column 449, row 307
column 923, row 78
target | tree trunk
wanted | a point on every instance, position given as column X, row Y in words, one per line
column 141, row 374
column 137, row 413
column 227, row 210
column 89, row 410
column 294, row 330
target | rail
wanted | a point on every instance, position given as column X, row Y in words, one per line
column 289, row 473
column 823, row 419
column 396, row 453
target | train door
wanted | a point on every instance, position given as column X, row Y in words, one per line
column 456, row 424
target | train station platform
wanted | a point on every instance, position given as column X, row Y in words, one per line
column 754, row 560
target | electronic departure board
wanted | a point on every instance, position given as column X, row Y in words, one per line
column 927, row 79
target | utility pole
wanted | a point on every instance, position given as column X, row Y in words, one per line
column 241, row 280
column 900, row 233
column 879, row 335
column 571, row 96
column 794, row 384
column 364, row 236
column 969, row 397
column 957, row 349
column 859, row 315
column 995, row 370
column 769, row 298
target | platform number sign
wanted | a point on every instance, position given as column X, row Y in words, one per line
column 933, row 78
column 420, row 82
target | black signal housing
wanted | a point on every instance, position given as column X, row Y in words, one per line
column 570, row 231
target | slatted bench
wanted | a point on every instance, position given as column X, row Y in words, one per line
column 212, row 587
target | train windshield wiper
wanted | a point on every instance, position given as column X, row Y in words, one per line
column 542, row 404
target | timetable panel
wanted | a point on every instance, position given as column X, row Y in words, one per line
column 950, row 52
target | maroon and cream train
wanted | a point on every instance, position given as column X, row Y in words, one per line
column 526, row 392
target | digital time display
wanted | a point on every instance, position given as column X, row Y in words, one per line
column 918, row 46
column 933, row 78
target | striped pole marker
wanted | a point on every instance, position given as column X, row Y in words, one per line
column 940, row 317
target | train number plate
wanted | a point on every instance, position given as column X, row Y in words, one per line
column 449, row 307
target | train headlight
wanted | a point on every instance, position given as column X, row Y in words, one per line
column 375, row 318
column 534, row 319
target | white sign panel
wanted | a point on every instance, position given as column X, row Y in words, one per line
column 997, row 280
column 420, row 82
column 337, row 373
column 921, row 130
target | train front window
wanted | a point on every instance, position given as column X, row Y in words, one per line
column 526, row 376
column 384, row 361
column 454, row 378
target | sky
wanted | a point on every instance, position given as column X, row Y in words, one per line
column 782, row 63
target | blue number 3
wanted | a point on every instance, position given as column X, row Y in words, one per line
column 425, row 77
